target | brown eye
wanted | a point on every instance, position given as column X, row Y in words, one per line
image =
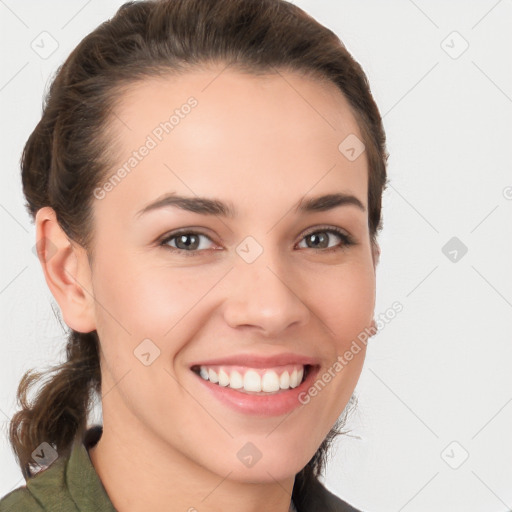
column 189, row 243
column 321, row 238
column 186, row 242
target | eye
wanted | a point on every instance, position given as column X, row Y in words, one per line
column 187, row 242
column 320, row 241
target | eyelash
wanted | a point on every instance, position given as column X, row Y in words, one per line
column 346, row 239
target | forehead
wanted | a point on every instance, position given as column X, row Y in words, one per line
column 238, row 100
column 220, row 132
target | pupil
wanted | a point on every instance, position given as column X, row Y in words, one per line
column 316, row 237
column 182, row 239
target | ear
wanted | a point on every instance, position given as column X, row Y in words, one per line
column 66, row 270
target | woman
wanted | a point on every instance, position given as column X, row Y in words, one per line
column 206, row 185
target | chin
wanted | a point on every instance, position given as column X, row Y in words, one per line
column 268, row 469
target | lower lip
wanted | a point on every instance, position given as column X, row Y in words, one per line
column 276, row 404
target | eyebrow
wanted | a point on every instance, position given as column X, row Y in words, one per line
column 207, row 206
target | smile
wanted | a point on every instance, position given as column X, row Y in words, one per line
column 256, row 391
column 254, row 380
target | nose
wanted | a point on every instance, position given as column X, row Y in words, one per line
column 265, row 295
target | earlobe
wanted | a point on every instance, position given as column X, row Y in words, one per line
column 66, row 270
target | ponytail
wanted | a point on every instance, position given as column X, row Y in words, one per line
column 60, row 408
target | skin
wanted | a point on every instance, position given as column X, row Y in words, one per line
column 262, row 143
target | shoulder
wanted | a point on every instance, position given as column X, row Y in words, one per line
column 332, row 501
column 46, row 490
column 69, row 484
column 319, row 498
column 19, row 500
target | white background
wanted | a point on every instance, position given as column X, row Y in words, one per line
column 439, row 374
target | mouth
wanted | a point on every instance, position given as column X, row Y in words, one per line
column 256, row 384
column 255, row 381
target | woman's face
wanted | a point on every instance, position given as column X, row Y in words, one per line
column 266, row 279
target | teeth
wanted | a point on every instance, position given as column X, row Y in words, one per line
column 252, row 380
column 236, row 380
column 270, row 381
column 213, row 377
column 223, row 378
column 284, row 381
column 293, row 379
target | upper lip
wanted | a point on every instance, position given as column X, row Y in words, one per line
column 259, row 361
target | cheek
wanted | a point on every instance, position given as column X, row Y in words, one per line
column 147, row 300
column 137, row 302
column 155, row 302
column 344, row 301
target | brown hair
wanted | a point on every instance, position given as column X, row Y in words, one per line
column 67, row 155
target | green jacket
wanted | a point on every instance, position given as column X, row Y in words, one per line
column 71, row 484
